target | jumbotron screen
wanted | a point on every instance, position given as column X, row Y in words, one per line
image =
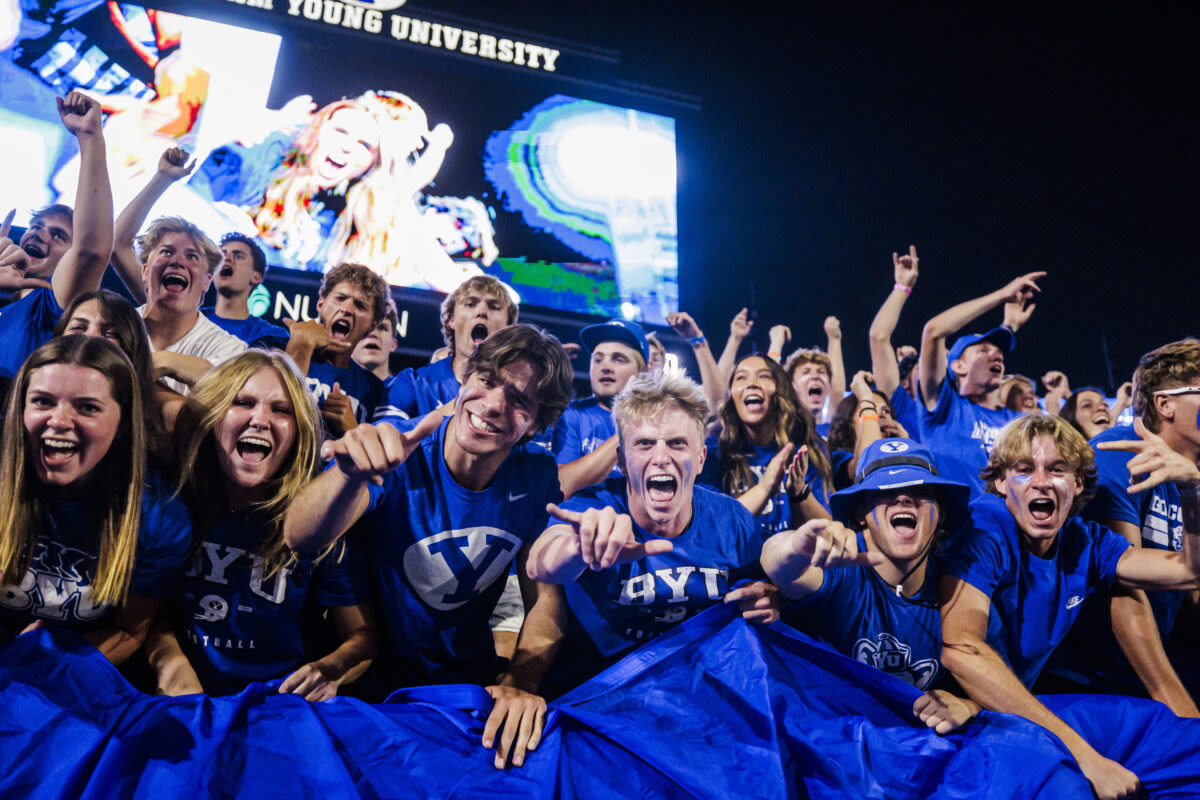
column 329, row 147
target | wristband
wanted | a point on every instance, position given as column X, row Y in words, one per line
column 803, row 494
column 696, row 341
column 903, row 288
column 775, row 354
column 867, row 404
column 864, row 417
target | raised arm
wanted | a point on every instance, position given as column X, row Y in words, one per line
column 989, row 681
column 1136, row 631
column 933, row 364
column 884, row 365
column 755, row 498
column 868, row 417
column 172, row 165
column 795, row 560
column 739, row 328
column 837, row 365
column 82, row 266
column 326, row 508
column 1058, row 389
column 710, row 374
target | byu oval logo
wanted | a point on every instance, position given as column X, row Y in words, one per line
column 452, row 567
column 893, row 447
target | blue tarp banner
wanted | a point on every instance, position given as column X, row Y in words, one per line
column 715, row 709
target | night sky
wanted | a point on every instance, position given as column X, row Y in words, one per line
column 829, row 137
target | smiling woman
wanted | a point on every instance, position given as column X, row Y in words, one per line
column 88, row 538
column 249, row 608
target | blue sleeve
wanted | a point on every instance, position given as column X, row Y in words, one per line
column 566, row 445
column 1111, row 500
column 1107, row 549
column 907, row 412
column 25, row 326
column 401, row 398
column 947, row 397
column 164, row 539
column 840, row 461
column 237, row 174
column 340, row 578
column 978, row 556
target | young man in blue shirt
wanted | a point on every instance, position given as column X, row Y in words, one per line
column 1015, row 581
column 243, row 267
column 641, row 553
column 963, row 412
column 443, row 506
column 479, row 307
column 585, row 438
column 1168, row 388
column 352, row 301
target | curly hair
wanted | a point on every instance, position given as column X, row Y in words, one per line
column 362, row 278
column 544, row 351
column 485, row 284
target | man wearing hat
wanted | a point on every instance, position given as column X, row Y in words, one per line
column 959, row 386
column 873, row 595
column 585, row 439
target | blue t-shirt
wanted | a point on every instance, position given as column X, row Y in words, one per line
column 414, row 393
column 364, row 388
column 583, row 427
column 839, row 461
column 57, row 585
column 25, row 326
column 615, row 610
column 860, row 616
column 1091, row 655
column 776, row 515
column 1034, row 600
column 248, row 330
column 438, row 555
column 237, row 624
column 907, row 412
column 961, row 434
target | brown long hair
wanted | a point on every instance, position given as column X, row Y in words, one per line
column 120, row 476
column 792, row 423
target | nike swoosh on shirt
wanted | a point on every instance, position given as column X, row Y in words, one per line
column 512, row 498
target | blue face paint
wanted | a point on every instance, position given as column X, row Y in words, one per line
column 1020, row 480
column 1198, row 419
column 875, row 516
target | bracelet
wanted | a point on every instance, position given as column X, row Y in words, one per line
column 696, row 341
column 803, row 494
column 867, row 404
column 903, row 288
column 864, row 417
column 775, row 354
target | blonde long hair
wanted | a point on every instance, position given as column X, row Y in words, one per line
column 360, row 233
column 202, row 481
column 120, row 476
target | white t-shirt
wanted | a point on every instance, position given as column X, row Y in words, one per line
column 205, row 340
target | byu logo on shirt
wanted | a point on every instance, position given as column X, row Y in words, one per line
column 893, row 447
column 452, row 567
column 56, row 585
column 987, row 434
column 212, row 608
column 890, row 655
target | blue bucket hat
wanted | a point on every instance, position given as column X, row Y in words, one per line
column 894, row 464
column 1001, row 337
column 616, row 330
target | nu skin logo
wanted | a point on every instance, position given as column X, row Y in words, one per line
column 452, row 567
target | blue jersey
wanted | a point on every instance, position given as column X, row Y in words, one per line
column 57, row 584
column 365, row 390
column 1034, row 600
column 25, row 326
column 961, row 434
column 438, row 555
column 1091, row 655
column 776, row 515
column 907, row 411
column 414, row 393
column 237, row 624
column 583, row 427
column 839, row 461
column 860, row 616
column 615, row 610
column 250, row 329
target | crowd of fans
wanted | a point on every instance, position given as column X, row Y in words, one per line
column 213, row 500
